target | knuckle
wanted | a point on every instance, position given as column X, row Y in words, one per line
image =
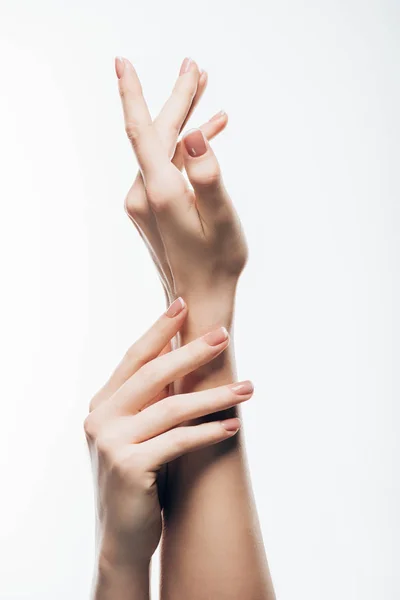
column 90, row 428
column 132, row 130
column 159, row 204
column 105, row 447
column 185, row 87
column 135, row 355
column 128, row 463
column 198, row 350
column 120, row 464
column 179, row 441
column 192, row 355
column 160, row 196
column 238, row 260
column 136, row 208
column 135, row 130
column 172, row 405
column 164, row 191
column 148, row 373
column 131, row 354
column 211, row 176
column 207, row 173
column 155, row 192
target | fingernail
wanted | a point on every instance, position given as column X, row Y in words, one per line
column 220, row 115
column 203, row 74
column 176, row 307
column 231, row 425
column 119, row 66
column 185, row 65
column 195, row 143
column 242, row 388
column 214, row 338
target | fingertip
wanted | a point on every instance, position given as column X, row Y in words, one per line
column 214, row 126
column 203, row 78
column 124, row 67
column 217, row 337
column 219, row 116
column 195, row 143
column 242, row 388
column 231, row 426
column 195, row 67
column 185, row 66
column 188, row 65
column 178, row 307
column 119, row 64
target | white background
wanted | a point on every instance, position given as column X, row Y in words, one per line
column 311, row 159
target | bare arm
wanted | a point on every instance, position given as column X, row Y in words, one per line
column 113, row 581
column 212, row 547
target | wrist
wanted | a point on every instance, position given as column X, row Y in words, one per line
column 207, row 313
column 209, row 308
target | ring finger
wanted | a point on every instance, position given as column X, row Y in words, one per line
column 176, row 410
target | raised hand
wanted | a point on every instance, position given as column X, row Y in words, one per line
column 187, row 92
column 202, row 247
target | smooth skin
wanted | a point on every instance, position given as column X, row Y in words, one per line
column 133, row 429
column 186, row 94
column 212, row 545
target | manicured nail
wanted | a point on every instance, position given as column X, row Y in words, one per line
column 220, row 115
column 119, row 66
column 185, row 65
column 214, row 338
column 195, row 143
column 176, row 307
column 242, row 388
column 231, row 425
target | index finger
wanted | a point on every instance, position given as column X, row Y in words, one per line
column 149, row 346
column 150, row 152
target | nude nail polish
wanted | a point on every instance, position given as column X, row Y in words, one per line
column 195, row 143
column 220, row 115
column 119, row 66
column 242, row 388
column 186, row 65
column 231, row 425
column 176, row 307
column 216, row 337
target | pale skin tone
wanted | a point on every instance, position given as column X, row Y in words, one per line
column 211, row 546
column 134, row 428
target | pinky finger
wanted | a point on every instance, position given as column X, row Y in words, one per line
column 182, row 440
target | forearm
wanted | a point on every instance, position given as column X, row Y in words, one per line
column 119, row 575
column 113, row 581
column 212, row 542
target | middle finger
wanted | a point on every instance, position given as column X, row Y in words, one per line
column 140, row 389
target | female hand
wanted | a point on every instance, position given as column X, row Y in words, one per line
column 200, row 232
column 132, row 433
column 188, row 90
